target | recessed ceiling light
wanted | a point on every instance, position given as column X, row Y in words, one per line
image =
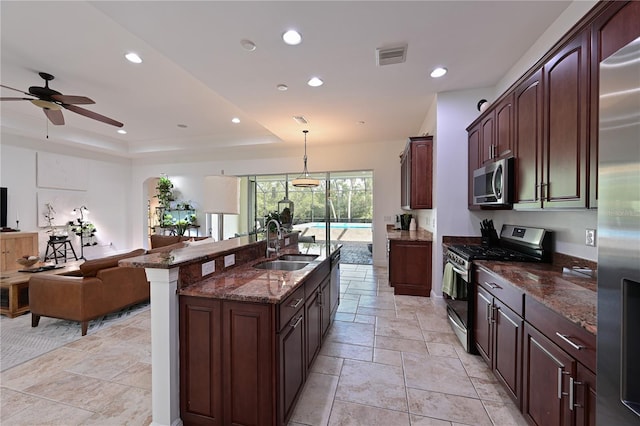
column 182, row 126
column 438, row 72
column 235, row 120
column 282, row 87
column 292, row 37
column 133, row 57
column 122, row 131
column 248, row 45
column 315, row 82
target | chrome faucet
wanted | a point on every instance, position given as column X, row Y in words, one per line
column 276, row 247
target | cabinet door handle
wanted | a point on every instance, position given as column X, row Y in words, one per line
column 294, row 324
column 297, row 303
column 559, row 382
column 566, row 339
column 492, row 285
column 319, row 298
column 572, row 384
column 488, row 312
column 494, row 309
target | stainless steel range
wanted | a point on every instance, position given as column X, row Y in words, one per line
column 516, row 244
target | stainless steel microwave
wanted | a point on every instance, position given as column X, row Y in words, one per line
column 492, row 184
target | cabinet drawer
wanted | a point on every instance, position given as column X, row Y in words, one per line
column 501, row 289
column 572, row 338
column 289, row 306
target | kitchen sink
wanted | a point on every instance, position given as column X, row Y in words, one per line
column 281, row 265
column 299, row 257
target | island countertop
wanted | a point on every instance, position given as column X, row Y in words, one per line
column 242, row 282
column 417, row 235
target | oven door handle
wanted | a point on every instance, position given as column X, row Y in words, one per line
column 458, row 270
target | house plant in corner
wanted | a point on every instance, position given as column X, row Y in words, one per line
column 53, row 231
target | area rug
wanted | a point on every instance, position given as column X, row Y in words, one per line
column 19, row 342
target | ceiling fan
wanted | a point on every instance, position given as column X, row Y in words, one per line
column 52, row 102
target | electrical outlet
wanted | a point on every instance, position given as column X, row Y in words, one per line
column 229, row 260
column 208, row 268
column 590, row 237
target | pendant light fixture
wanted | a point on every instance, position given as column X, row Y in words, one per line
column 304, row 181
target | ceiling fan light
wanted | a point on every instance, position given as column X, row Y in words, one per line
column 46, row 104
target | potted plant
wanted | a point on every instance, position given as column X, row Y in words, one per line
column 53, row 232
column 272, row 215
column 164, row 191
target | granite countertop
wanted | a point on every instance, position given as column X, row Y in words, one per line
column 248, row 284
column 568, row 294
column 418, row 235
column 242, row 282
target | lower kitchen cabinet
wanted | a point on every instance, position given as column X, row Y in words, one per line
column 410, row 267
column 498, row 332
column 547, row 370
column 245, row 363
column 543, row 360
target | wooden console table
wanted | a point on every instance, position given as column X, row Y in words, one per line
column 14, row 288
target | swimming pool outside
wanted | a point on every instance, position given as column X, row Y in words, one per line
column 340, row 231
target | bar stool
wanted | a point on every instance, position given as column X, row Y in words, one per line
column 59, row 250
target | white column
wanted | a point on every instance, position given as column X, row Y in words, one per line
column 165, row 361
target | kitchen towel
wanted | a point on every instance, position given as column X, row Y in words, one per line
column 449, row 281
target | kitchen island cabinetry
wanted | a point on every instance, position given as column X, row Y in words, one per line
column 246, row 362
column 416, row 165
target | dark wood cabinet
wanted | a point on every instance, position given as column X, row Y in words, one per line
column 496, row 131
column 417, row 173
column 498, row 334
column 246, row 363
column 547, row 370
column 566, row 124
column 313, row 308
column 248, row 360
column 292, row 369
column 410, row 267
column 584, row 388
column 475, row 162
column 201, row 361
column 528, row 142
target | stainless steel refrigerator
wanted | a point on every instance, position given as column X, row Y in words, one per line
column 618, row 365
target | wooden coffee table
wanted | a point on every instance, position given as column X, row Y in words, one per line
column 14, row 287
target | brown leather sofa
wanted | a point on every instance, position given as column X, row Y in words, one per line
column 158, row 241
column 104, row 287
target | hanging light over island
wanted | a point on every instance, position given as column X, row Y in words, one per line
column 304, row 180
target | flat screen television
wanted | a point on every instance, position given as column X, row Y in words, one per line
column 3, row 207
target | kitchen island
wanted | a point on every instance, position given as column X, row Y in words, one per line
column 246, row 336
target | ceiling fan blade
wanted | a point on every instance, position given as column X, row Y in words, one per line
column 16, row 99
column 73, row 100
column 55, row 116
column 94, row 115
column 17, row 90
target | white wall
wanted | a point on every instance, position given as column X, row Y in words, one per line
column 107, row 194
column 382, row 158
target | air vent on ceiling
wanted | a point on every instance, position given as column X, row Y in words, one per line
column 391, row 55
column 300, row 119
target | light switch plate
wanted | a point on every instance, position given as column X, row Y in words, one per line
column 229, row 260
column 208, row 268
column 590, row 237
column 287, row 241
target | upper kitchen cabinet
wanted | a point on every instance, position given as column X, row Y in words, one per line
column 551, row 131
column 566, row 125
column 528, row 141
column 416, row 173
column 614, row 28
column 475, row 162
column 497, row 131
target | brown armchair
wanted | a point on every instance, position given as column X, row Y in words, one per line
column 104, row 287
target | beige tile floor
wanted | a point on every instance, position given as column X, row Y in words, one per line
column 387, row 360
